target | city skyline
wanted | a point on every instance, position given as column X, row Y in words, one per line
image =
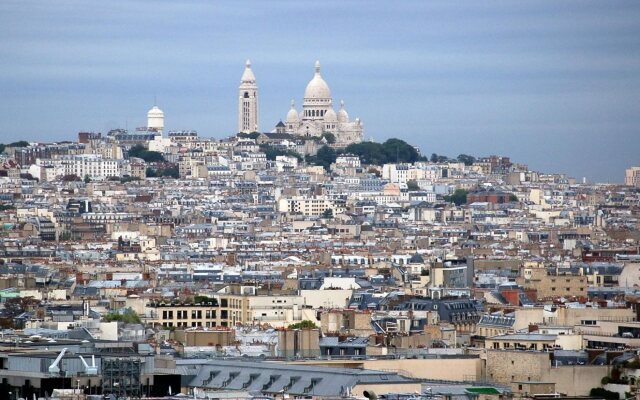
column 478, row 79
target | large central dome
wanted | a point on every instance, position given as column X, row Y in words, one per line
column 317, row 87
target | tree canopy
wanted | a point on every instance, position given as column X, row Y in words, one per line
column 140, row 151
column 328, row 213
column 272, row 152
column 330, row 137
column 306, row 324
column 435, row 158
column 412, row 185
column 391, row 151
column 466, row 159
column 168, row 172
column 324, row 157
column 128, row 316
column 458, row 197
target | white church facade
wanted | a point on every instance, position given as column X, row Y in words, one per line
column 316, row 118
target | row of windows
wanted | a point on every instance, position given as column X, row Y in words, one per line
column 194, row 324
column 195, row 314
column 314, row 113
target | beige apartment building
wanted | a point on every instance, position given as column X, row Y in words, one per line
column 552, row 285
column 632, row 177
column 239, row 306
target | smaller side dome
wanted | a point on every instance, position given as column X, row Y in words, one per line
column 292, row 115
column 330, row 116
column 342, row 114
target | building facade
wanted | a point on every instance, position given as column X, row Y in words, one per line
column 632, row 177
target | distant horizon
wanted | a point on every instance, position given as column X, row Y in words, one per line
column 551, row 85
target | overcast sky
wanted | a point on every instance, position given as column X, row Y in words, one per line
column 553, row 84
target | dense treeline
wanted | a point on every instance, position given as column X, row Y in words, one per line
column 391, row 151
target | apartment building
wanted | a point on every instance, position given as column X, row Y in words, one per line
column 310, row 206
column 551, row 283
column 632, row 177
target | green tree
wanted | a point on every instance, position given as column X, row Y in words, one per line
column 458, row 197
column 513, row 198
column 87, row 179
column 324, row 157
column 369, row 152
column 21, row 143
column 140, row 151
column 398, row 150
column 412, row 185
column 392, row 151
column 435, row 158
column 329, row 137
column 171, row 172
column 328, row 213
column 466, row 159
column 305, row 324
column 128, row 316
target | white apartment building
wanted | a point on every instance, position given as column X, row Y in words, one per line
column 310, row 206
column 93, row 165
column 396, row 173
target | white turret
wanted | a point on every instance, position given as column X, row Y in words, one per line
column 155, row 119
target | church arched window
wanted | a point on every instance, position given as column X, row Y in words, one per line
column 246, row 95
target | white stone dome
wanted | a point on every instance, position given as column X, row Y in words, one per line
column 155, row 118
column 330, row 116
column 292, row 115
column 156, row 112
column 342, row 114
column 317, row 87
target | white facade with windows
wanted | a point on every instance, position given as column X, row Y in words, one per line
column 92, row 165
column 310, row 206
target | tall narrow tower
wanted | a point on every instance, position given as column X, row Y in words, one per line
column 248, row 101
